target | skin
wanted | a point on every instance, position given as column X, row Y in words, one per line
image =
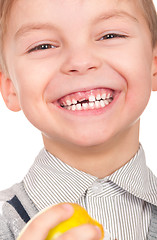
column 96, row 143
column 53, row 216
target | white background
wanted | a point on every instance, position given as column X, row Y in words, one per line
column 20, row 142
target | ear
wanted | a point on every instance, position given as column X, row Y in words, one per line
column 154, row 70
column 9, row 94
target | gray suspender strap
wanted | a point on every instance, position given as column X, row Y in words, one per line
column 152, row 235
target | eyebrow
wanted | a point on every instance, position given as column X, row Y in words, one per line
column 116, row 14
column 26, row 28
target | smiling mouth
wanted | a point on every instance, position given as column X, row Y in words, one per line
column 87, row 100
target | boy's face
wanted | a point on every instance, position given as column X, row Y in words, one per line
column 55, row 48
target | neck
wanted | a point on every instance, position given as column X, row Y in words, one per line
column 99, row 161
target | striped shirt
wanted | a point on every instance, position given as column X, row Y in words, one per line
column 120, row 202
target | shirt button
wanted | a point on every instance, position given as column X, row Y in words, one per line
column 97, row 187
column 107, row 235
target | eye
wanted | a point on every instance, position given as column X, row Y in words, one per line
column 112, row 36
column 40, row 47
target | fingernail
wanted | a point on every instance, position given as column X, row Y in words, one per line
column 67, row 206
column 99, row 231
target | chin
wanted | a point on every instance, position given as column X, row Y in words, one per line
column 89, row 142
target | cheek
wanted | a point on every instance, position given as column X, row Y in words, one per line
column 139, row 80
column 32, row 79
column 31, row 82
column 133, row 63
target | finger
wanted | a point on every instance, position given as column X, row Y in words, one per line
column 83, row 232
column 38, row 227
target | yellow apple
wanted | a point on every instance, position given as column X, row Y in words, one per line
column 79, row 217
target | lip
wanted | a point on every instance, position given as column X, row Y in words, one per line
column 89, row 112
column 84, row 89
column 85, row 95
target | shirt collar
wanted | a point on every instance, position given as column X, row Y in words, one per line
column 136, row 178
column 51, row 181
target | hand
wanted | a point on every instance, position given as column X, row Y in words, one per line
column 38, row 227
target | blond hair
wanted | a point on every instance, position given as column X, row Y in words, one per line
column 147, row 7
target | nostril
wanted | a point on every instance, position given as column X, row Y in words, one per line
column 81, row 70
column 73, row 70
column 91, row 68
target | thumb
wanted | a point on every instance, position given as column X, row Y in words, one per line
column 40, row 225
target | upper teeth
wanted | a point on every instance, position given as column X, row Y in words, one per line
column 91, row 99
column 74, row 101
column 68, row 102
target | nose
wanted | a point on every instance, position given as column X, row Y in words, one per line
column 79, row 62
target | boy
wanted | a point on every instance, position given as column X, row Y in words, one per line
column 82, row 72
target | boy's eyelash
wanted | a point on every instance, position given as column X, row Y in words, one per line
column 112, row 35
column 41, row 47
column 45, row 46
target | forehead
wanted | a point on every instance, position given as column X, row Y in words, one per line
column 67, row 13
column 62, row 8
